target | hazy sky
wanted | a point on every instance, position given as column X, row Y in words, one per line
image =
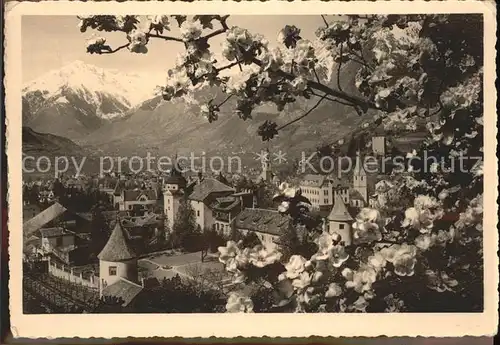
column 50, row 42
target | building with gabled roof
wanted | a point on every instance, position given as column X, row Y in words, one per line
column 120, row 186
column 317, row 189
column 43, row 218
column 30, row 211
column 202, row 195
column 226, row 208
column 268, row 225
column 356, row 199
column 142, row 198
column 207, row 187
column 125, row 290
column 314, row 180
column 322, row 189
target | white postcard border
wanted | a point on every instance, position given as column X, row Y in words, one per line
column 246, row 325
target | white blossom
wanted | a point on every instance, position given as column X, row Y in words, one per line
column 191, row 30
column 295, row 266
column 238, row 302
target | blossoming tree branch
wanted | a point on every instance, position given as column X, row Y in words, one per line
column 422, row 249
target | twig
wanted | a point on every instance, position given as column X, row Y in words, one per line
column 217, row 70
column 387, row 242
column 340, row 66
column 232, row 64
column 361, row 62
column 224, row 28
column 111, row 51
column 316, row 75
column 215, row 33
column 224, row 101
column 333, row 99
column 303, row 115
column 324, row 20
column 166, row 38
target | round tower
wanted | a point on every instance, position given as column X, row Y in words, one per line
column 117, row 260
column 339, row 220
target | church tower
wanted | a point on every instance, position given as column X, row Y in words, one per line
column 359, row 178
column 117, row 260
column 266, row 174
column 339, row 220
column 172, row 193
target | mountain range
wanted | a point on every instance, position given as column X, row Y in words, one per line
column 116, row 113
column 79, row 98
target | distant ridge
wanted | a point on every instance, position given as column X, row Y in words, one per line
column 45, row 143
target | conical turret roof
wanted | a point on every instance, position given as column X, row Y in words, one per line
column 339, row 211
column 117, row 248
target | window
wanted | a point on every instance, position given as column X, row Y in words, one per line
column 198, row 213
column 112, row 270
column 169, row 208
column 341, row 226
column 129, row 207
column 325, row 201
column 168, row 201
column 325, row 192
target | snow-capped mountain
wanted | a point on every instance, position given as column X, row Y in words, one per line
column 78, row 98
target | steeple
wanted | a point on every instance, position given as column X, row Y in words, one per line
column 359, row 169
column 359, row 178
column 176, row 169
column 266, row 173
column 117, row 248
column 175, row 181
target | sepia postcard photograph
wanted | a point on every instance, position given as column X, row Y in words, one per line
column 257, row 169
